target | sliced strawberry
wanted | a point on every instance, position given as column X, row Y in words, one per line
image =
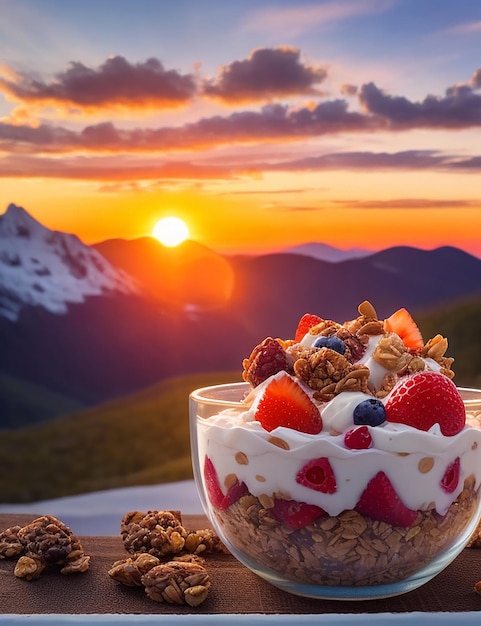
column 212, row 486
column 295, row 514
column 285, row 403
column 450, row 480
column 358, row 438
column 317, row 474
column 425, row 399
column 307, row 321
column 379, row 501
column 214, row 491
column 403, row 325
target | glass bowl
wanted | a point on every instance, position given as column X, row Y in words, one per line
column 297, row 546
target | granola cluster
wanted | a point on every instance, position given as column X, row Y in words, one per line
column 354, row 550
column 45, row 542
column 165, row 557
column 329, row 373
column 161, row 534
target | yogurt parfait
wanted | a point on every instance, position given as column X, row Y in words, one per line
column 347, row 464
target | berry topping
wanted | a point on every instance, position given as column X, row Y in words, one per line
column 285, row 403
column 214, row 491
column 403, row 325
column 212, row 485
column 317, row 474
column 380, row 501
column 358, row 438
column 295, row 514
column 268, row 358
column 334, row 343
column 450, row 479
column 370, row 412
column 306, row 322
column 425, row 399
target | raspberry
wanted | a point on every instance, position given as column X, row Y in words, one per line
column 358, row 438
column 267, row 359
column 317, row 474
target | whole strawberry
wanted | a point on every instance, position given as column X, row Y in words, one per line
column 425, row 399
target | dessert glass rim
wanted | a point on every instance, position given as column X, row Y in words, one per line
column 470, row 395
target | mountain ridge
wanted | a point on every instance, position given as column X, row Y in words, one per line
column 39, row 266
column 211, row 316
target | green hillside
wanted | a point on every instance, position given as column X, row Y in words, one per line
column 461, row 324
column 23, row 403
column 139, row 439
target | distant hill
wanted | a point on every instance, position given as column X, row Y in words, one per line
column 137, row 440
column 282, row 287
column 324, row 252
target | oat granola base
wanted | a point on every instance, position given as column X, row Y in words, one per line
column 348, row 549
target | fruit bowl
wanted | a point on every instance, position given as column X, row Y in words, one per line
column 277, row 499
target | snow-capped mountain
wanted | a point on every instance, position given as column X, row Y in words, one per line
column 325, row 252
column 47, row 268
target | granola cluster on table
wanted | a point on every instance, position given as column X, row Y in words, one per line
column 165, row 557
column 45, row 542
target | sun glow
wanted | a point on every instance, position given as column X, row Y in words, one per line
column 170, row 231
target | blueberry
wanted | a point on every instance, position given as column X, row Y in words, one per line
column 370, row 412
column 321, row 342
column 334, row 343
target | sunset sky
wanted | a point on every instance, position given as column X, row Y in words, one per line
column 261, row 124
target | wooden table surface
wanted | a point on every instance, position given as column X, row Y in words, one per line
column 235, row 589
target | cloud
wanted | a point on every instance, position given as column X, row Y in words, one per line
column 124, row 168
column 409, row 203
column 300, row 18
column 471, row 163
column 109, row 168
column 475, row 81
column 407, row 159
column 267, row 73
column 272, row 123
column 116, row 83
column 459, row 108
column 348, row 90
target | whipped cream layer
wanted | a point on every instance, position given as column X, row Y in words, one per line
column 415, row 461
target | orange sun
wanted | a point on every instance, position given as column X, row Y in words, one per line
column 170, row 231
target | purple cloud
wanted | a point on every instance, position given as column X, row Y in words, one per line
column 267, row 73
column 115, row 82
column 271, row 123
column 459, row 108
column 407, row 159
